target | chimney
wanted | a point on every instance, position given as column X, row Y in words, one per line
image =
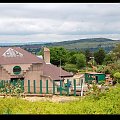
column 46, row 55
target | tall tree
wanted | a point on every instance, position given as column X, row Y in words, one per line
column 99, row 56
column 58, row 54
column 78, row 59
column 88, row 54
column 116, row 51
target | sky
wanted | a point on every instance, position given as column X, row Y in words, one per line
column 54, row 22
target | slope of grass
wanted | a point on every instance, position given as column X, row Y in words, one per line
column 108, row 103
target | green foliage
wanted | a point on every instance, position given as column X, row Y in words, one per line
column 57, row 54
column 108, row 59
column 78, row 59
column 108, row 103
column 99, row 56
column 116, row 51
column 117, row 76
column 70, row 68
column 88, row 54
column 100, row 68
column 9, row 88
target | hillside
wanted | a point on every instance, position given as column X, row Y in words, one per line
column 91, row 43
column 81, row 44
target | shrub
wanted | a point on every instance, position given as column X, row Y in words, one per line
column 9, row 88
column 117, row 76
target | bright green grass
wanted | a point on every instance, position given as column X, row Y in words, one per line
column 109, row 103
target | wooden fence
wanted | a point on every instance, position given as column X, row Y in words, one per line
column 61, row 90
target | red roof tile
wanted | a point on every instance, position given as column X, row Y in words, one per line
column 48, row 69
column 26, row 58
column 55, row 72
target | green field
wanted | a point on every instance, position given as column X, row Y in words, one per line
column 108, row 103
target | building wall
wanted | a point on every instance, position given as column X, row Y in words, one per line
column 4, row 74
column 89, row 77
column 29, row 72
column 10, row 67
column 36, row 73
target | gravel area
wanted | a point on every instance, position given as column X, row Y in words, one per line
column 54, row 98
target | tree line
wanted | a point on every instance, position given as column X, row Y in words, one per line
column 74, row 61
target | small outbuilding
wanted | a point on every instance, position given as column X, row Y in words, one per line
column 90, row 76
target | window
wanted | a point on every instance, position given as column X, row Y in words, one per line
column 17, row 70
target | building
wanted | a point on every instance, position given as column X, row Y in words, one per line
column 16, row 63
column 98, row 77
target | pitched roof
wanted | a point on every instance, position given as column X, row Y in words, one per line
column 55, row 72
column 17, row 55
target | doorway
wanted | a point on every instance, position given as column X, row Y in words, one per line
column 15, row 80
column 96, row 79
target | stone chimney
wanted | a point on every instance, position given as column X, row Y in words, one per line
column 46, row 55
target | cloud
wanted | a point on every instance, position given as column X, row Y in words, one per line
column 58, row 21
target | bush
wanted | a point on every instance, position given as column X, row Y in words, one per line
column 117, row 76
column 70, row 68
column 108, row 103
column 9, row 88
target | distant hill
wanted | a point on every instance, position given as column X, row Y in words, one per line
column 91, row 43
column 81, row 44
column 81, row 41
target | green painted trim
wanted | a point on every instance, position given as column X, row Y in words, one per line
column 18, row 72
column 14, row 82
column 40, row 86
column 60, row 87
column 46, row 86
column 6, row 81
column 67, row 87
column 74, row 87
column 28, row 86
column 53, row 87
column 34, row 84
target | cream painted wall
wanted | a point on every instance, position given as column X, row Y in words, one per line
column 10, row 67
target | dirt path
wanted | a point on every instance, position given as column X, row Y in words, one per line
column 52, row 99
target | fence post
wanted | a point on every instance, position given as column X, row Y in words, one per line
column 40, row 86
column 46, row 86
column 9, row 83
column 67, row 87
column 28, row 86
column 1, row 83
column 74, row 87
column 82, row 83
column 6, row 83
column 23, row 85
column 34, row 83
column 60, row 87
column 53, row 87
column 14, row 82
